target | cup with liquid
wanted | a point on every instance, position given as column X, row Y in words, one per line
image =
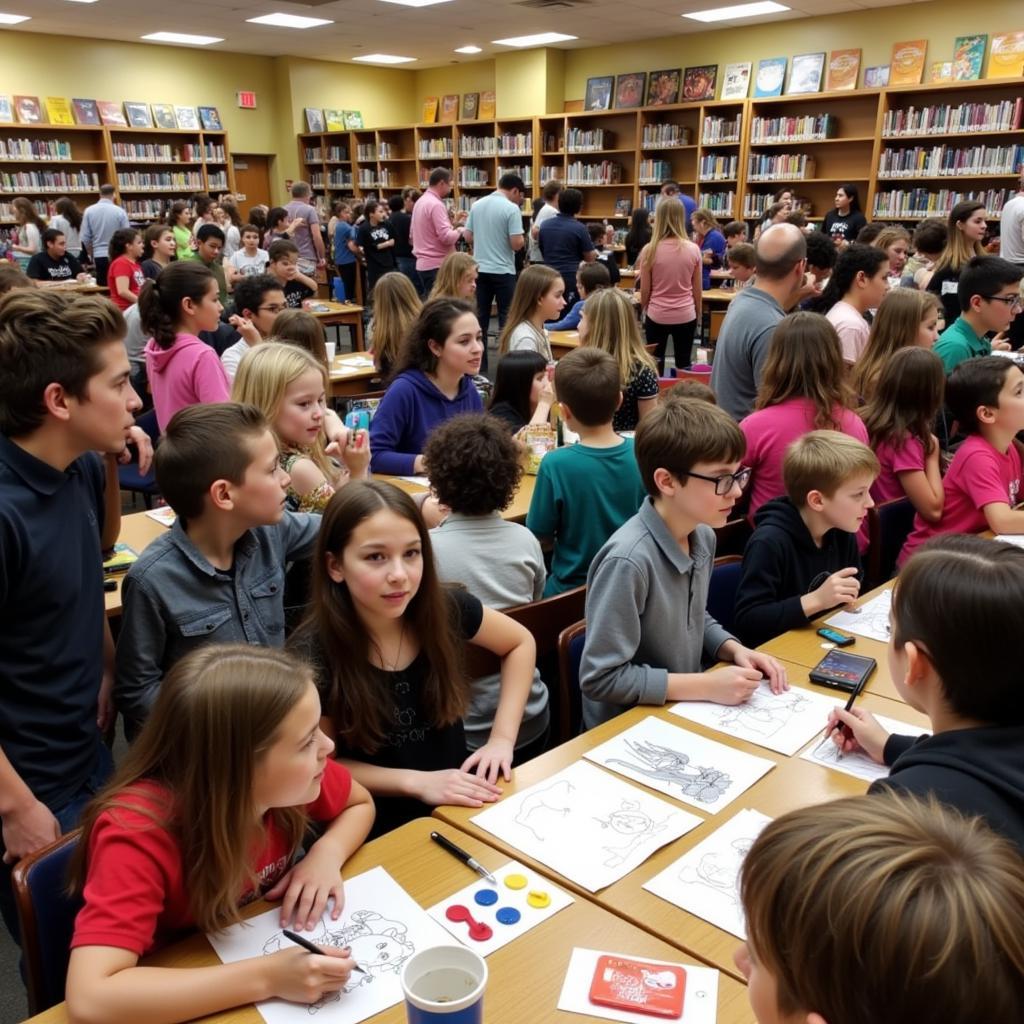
column 444, row 985
column 332, row 347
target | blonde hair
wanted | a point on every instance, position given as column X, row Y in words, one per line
column 455, row 267
column 297, row 327
column 264, row 375
column 890, row 235
column 612, row 327
column 533, row 284
column 669, row 222
column 823, row 460
column 396, row 307
column 884, row 909
column 218, row 711
column 704, row 216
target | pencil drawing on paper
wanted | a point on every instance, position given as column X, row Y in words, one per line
column 764, row 713
column 629, row 820
column 706, row 785
column 540, row 809
column 719, row 870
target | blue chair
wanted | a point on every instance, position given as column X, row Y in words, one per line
column 46, row 914
column 129, row 476
column 725, row 581
column 889, row 525
column 570, row 653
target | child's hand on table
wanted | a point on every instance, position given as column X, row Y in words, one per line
column 305, row 888
column 455, row 786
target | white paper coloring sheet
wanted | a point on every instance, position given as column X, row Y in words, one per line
column 870, row 620
column 705, row 880
column 586, row 824
column 782, row 722
column 382, row 923
column 700, row 1000
column 521, row 900
column 859, row 765
column 681, row 764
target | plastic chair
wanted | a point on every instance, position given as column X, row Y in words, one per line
column 666, row 383
column 129, row 477
column 889, row 525
column 570, row 654
column 725, row 581
column 46, row 914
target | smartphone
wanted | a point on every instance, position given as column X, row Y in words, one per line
column 842, row 671
column 839, row 639
column 358, row 419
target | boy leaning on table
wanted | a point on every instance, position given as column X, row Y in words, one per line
column 647, row 624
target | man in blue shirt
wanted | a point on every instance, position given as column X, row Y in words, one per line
column 672, row 190
column 565, row 242
column 99, row 222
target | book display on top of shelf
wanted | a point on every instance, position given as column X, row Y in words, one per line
column 314, row 119
column 663, row 87
column 211, row 119
column 876, row 77
column 187, row 118
column 599, row 93
column 736, row 83
column 111, row 114
column 968, row 57
column 843, row 67
column 699, row 83
column 58, row 110
column 334, row 120
column 86, row 111
column 805, row 74
column 450, row 108
column 430, row 105
column 1006, row 55
column 771, row 73
column 163, row 116
column 353, row 119
column 906, row 65
column 470, row 105
column 6, row 110
column 28, row 109
column 630, row 89
column 488, row 105
column 138, row 114
column 941, row 71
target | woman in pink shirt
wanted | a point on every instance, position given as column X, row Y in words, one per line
column 670, row 284
column 803, row 388
column 182, row 369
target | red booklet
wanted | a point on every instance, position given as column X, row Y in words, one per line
column 639, row 986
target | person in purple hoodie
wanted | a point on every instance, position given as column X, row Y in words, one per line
column 433, row 381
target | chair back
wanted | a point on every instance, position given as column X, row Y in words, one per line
column 732, row 538
column 570, row 653
column 129, row 477
column 46, row 914
column 889, row 525
column 725, row 581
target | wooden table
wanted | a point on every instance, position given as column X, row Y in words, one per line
column 349, row 379
column 339, row 314
column 792, row 783
column 719, row 296
column 138, row 531
column 563, row 342
column 516, row 512
column 525, row 976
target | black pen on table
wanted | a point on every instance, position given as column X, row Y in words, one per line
column 461, row 854
column 310, row 947
column 849, row 704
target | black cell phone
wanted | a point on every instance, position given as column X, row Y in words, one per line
column 842, row 671
column 839, row 639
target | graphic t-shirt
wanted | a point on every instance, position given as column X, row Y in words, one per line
column 43, row 267
column 124, row 267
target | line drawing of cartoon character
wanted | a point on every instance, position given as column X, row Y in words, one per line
column 550, row 803
column 764, row 713
column 718, row 870
column 667, row 765
column 630, row 821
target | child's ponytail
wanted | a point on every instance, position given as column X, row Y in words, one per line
column 160, row 299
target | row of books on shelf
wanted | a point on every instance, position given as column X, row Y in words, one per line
column 145, row 209
column 473, row 177
column 429, row 148
column 217, row 182
column 478, row 145
column 341, row 179
column 963, row 117
column 49, row 181
column 581, row 140
column 811, row 128
column 920, row 202
column 664, row 135
column 515, row 144
column 142, row 152
column 780, row 167
column 369, row 177
column 366, row 151
column 721, row 204
column 716, row 167
column 941, row 160
column 35, row 149
column 654, row 171
column 157, row 181
column 755, row 204
column 335, row 154
column 525, row 172
column 721, row 129
column 607, row 172
column 46, row 210
column 313, row 154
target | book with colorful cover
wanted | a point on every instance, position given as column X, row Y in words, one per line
column 314, row 119
column 940, row 71
column 86, row 111
column 736, row 83
column 111, row 113
column 334, row 119
column 121, row 559
column 58, row 110
column 843, row 67
column 488, row 105
column 771, row 74
column 968, row 57
column 211, row 119
column 353, row 119
column 430, row 105
column 163, row 116
column 28, row 109
column 1006, row 57
column 186, row 117
column 805, row 73
column 907, row 64
column 6, row 110
column 699, row 83
column 877, row 76
column 138, row 114
column 450, row 108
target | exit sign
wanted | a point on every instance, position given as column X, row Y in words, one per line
column 246, row 100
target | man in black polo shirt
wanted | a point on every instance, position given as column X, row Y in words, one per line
column 53, row 265
column 64, row 378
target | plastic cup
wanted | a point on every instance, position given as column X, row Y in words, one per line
column 332, row 348
column 444, row 985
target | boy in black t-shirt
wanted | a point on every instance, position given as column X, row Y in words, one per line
column 375, row 240
column 284, row 265
column 54, row 265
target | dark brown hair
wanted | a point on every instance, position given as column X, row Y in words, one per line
column 362, row 713
column 434, row 323
column 588, row 381
column 297, row 327
column 907, row 398
column 976, row 382
column 281, row 247
column 12, row 276
column 161, row 298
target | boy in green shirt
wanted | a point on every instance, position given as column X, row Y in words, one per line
column 210, row 244
column 989, row 294
column 586, row 491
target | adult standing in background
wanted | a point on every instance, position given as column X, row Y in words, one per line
column 565, row 242
column 401, row 224
column 670, row 190
column 495, row 230
column 307, row 235
column 753, row 315
column 99, row 222
column 68, row 219
column 432, row 234
column 549, row 194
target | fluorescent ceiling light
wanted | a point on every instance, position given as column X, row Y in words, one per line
column 288, row 21
column 535, row 40
column 182, row 37
column 417, row 3
column 738, row 11
column 469, row 49
column 81, row 1
column 13, row 19
column 383, row 58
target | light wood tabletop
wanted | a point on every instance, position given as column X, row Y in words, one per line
column 340, row 313
column 719, row 295
column 353, row 373
column 792, row 783
column 525, row 976
column 563, row 342
column 516, row 512
column 138, row 531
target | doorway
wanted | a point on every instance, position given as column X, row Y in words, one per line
column 252, row 180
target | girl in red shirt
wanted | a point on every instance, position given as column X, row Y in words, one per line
column 124, row 275
column 204, row 815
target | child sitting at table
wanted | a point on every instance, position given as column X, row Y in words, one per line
column 599, row 236
column 432, row 381
column 538, row 298
column 288, row 386
column 647, row 621
column 206, row 814
column 218, row 574
column 283, row 257
column 250, row 259
column 297, row 327
column 876, row 910
column 523, row 393
column 983, row 483
column 259, row 300
column 742, row 267
column 475, row 470
column 590, row 278
column 802, row 558
column 586, row 491
column 954, row 587
column 384, row 638
column 395, row 309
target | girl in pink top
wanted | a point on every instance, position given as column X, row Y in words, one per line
column 670, row 284
column 803, row 388
column 182, row 369
column 858, row 283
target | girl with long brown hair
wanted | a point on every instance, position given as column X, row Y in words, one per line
column 539, row 298
column 385, row 640
column 395, row 309
column 456, row 278
column 205, row 814
column 803, row 388
column 967, row 227
column 30, row 227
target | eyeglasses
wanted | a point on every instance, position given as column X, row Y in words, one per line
column 724, row 484
column 1008, row 300
column 273, row 308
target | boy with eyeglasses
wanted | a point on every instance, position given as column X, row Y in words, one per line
column 802, row 558
column 648, row 630
column 258, row 300
column 989, row 294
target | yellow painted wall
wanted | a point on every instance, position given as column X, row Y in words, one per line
column 521, row 83
column 471, row 76
column 874, row 31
